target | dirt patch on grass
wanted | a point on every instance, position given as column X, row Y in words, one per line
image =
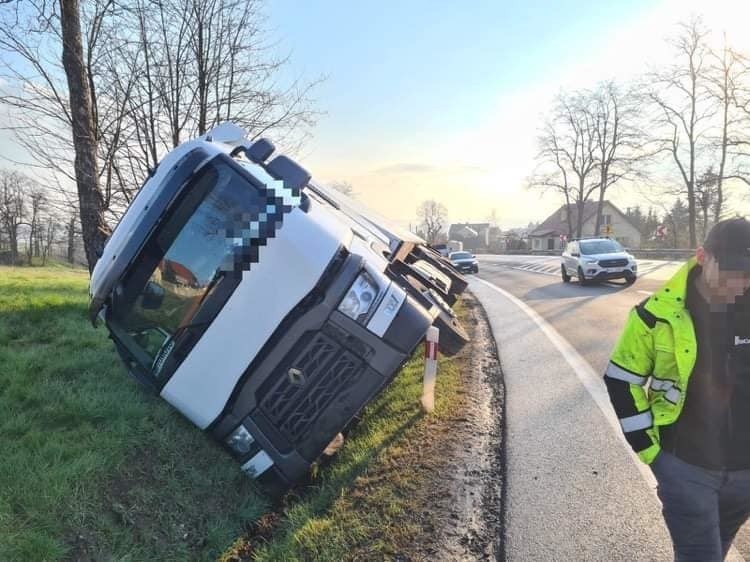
column 460, row 508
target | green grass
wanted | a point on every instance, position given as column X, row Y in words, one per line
column 95, row 468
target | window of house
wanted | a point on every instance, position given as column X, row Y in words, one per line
column 607, row 219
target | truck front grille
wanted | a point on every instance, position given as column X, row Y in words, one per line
column 613, row 263
column 318, row 371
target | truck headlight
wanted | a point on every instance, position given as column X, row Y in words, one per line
column 240, row 440
column 360, row 297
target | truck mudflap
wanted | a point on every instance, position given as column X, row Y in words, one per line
column 320, row 372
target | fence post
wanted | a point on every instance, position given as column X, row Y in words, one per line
column 430, row 368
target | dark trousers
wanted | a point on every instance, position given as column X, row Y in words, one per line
column 703, row 508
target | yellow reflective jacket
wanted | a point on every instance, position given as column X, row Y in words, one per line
column 650, row 367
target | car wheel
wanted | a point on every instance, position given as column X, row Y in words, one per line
column 476, row 269
column 581, row 277
column 565, row 276
column 630, row 279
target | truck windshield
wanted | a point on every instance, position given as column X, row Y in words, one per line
column 592, row 247
column 186, row 259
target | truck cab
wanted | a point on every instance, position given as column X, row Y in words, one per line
column 250, row 307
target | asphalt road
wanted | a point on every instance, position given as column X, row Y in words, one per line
column 575, row 490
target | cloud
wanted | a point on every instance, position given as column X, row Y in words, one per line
column 404, row 168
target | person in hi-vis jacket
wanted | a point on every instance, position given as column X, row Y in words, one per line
column 679, row 381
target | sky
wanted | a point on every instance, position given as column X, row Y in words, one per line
column 443, row 100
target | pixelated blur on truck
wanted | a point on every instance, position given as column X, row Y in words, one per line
column 251, row 302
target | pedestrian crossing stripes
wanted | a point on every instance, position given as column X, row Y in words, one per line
column 660, row 270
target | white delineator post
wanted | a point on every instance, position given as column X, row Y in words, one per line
column 430, row 368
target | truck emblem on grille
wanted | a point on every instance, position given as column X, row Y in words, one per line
column 296, row 377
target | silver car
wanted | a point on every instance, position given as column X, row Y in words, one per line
column 597, row 259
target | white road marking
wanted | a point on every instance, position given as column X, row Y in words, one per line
column 592, row 382
column 528, row 268
column 649, row 293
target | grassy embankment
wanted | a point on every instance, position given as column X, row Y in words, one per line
column 95, row 468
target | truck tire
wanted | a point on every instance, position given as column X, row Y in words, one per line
column 453, row 336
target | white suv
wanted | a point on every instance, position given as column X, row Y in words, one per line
column 597, row 259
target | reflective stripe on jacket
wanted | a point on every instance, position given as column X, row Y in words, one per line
column 649, row 369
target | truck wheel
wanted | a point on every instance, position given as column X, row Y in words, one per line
column 453, row 336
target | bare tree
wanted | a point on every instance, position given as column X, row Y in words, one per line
column 725, row 79
column 707, row 191
column 70, row 237
column 739, row 142
column 621, row 145
column 551, row 173
column 91, row 202
column 433, row 218
column 137, row 78
column 567, row 155
column 36, row 202
column 12, row 208
column 684, row 109
column 48, row 236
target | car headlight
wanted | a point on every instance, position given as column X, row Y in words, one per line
column 360, row 297
column 589, row 260
column 240, row 440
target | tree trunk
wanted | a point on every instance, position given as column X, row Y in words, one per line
column 13, row 241
column 719, row 203
column 30, row 249
column 71, row 240
column 692, row 213
column 599, row 207
column 91, row 202
column 579, row 224
column 37, row 245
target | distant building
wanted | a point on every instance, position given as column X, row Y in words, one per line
column 473, row 235
column 548, row 235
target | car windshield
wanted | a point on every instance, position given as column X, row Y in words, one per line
column 593, row 247
column 460, row 255
column 186, row 259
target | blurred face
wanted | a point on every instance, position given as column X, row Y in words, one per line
column 723, row 286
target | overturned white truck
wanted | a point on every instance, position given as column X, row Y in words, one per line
column 247, row 298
